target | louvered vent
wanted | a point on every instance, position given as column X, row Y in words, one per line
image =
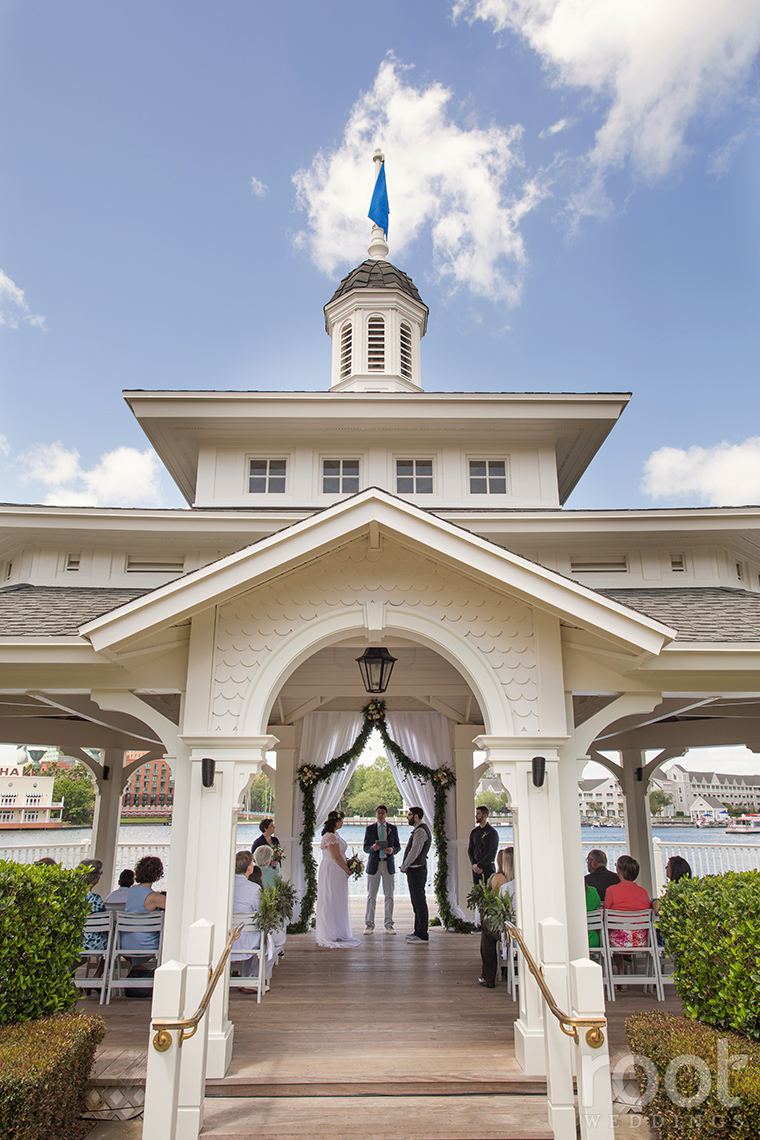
column 376, row 345
column 406, row 351
column 346, row 342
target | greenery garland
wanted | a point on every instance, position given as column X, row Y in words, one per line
column 308, row 776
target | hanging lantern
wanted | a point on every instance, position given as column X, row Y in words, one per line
column 376, row 666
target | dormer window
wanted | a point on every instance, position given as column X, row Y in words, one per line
column 488, row 477
column 405, row 345
column 414, row 476
column 340, row 476
column 346, row 349
column 267, row 477
column 376, row 344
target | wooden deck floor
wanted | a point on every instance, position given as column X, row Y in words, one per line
column 386, row 1020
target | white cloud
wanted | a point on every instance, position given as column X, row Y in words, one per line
column 724, row 475
column 14, row 309
column 719, row 162
column 5, row 447
column 124, row 477
column 555, row 128
column 465, row 183
column 258, row 187
column 657, row 64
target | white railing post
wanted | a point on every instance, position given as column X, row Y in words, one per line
column 192, row 1079
column 592, row 1065
column 162, row 1079
column 559, row 1058
column 659, row 870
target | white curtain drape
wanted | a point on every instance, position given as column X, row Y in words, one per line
column 324, row 736
column 424, row 736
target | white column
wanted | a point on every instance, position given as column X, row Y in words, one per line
column 177, row 876
column 467, row 780
column 638, row 821
column 288, row 736
column 105, row 823
column 162, row 1078
column 209, row 869
column 559, row 1055
column 192, row 1078
column 539, row 859
column 592, row 1065
column 570, row 772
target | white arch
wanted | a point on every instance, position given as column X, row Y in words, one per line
column 324, row 631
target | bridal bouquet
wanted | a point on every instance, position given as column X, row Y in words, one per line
column 355, row 866
column 277, row 854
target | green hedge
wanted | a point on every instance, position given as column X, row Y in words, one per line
column 699, row 1094
column 44, row 1068
column 42, row 914
column 711, row 928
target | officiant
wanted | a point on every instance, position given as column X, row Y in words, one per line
column 381, row 842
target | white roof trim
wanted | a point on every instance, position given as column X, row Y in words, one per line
column 399, row 520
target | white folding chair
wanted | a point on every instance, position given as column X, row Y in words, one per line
column 102, row 925
column 252, row 981
column 595, row 921
column 122, row 956
column 639, row 925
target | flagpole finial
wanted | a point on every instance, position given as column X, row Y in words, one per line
column 379, row 158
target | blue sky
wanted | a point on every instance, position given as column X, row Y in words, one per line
column 573, row 187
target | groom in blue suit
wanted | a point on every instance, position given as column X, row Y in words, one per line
column 381, row 842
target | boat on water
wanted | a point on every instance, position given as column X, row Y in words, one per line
column 744, row 825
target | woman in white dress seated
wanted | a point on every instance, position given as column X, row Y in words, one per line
column 245, row 901
column 333, row 913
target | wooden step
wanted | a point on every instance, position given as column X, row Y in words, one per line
column 398, row 1087
column 385, row 1117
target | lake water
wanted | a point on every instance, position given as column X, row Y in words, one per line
column 147, row 833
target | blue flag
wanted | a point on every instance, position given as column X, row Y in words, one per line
column 378, row 207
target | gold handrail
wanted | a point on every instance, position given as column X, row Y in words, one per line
column 188, row 1026
column 568, row 1025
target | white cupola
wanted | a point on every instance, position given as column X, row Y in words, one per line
column 376, row 319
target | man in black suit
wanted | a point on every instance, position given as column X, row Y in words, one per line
column 381, row 841
column 598, row 875
column 482, row 848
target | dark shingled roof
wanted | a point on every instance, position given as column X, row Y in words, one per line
column 373, row 274
column 56, row 611
column 710, row 613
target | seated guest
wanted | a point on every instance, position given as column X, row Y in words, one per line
column 94, row 869
column 245, row 901
column 503, row 880
column 593, row 902
column 126, row 880
column 598, row 876
column 676, row 868
column 142, row 899
column 627, row 895
column 262, row 858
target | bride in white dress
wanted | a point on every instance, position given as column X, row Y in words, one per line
column 333, row 914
